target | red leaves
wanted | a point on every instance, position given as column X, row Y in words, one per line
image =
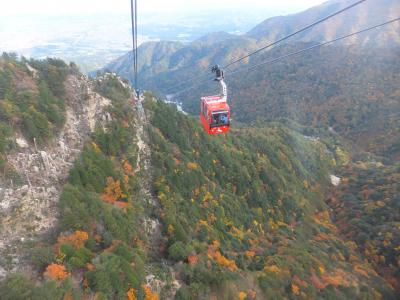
column 193, row 259
column 317, row 283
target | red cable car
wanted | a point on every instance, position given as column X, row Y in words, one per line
column 215, row 113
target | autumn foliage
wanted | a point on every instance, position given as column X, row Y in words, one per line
column 148, row 293
column 77, row 239
column 214, row 253
column 56, row 272
column 113, row 191
column 131, row 294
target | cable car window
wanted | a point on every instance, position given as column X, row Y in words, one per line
column 220, row 119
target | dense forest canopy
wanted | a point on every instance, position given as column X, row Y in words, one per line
column 151, row 207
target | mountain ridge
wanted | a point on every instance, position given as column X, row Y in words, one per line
column 189, row 61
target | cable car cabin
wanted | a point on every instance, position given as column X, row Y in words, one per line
column 215, row 115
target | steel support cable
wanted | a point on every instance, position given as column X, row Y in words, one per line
column 274, row 43
column 294, row 33
column 313, row 47
column 134, row 41
column 295, row 53
column 136, row 49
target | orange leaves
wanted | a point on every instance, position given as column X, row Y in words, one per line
column 125, row 124
column 131, row 294
column 272, row 269
column 98, row 238
column 127, row 168
column 251, row 294
column 196, row 192
column 193, row 259
column 112, row 192
column 77, row 239
column 148, row 294
column 214, row 253
column 322, row 236
column 323, row 219
column 299, row 282
column 223, row 261
column 56, row 272
column 295, row 289
column 68, row 296
column 360, row 270
column 192, row 166
column 90, row 266
column 336, row 278
column 207, row 197
column 113, row 245
column 317, row 283
column 249, row 254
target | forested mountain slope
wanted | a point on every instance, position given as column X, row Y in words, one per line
column 355, row 93
column 230, row 217
column 47, row 112
column 247, row 212
column 351, row 86
column 367, row 211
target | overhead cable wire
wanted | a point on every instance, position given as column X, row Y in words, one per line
column 293, row 34
column 312, row 47
column 134, row 41
column 136, row 49
column 274, row 43
column 271, row 61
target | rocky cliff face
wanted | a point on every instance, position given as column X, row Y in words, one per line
column 29, row 211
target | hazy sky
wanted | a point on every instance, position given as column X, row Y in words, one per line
column 56, row 7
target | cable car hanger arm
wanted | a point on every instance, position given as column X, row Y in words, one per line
column 219, row 73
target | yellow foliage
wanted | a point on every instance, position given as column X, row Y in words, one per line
column 242, row 295
column 321, row 269
column 216, row 244
column 207, row 197
column 96, row 147
column 295, row 289
column 342, row 156
column 203, row 223
column 192, row 166
column 77, row 239
column 223, row 261
column 249, row 254
column 212, row 218
column 171, row 229
column 237, row 233
column 126, row 179
column 161, row 196
column 272, row 269
column 112, row 192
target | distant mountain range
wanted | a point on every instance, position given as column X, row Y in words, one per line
column 351, row 86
